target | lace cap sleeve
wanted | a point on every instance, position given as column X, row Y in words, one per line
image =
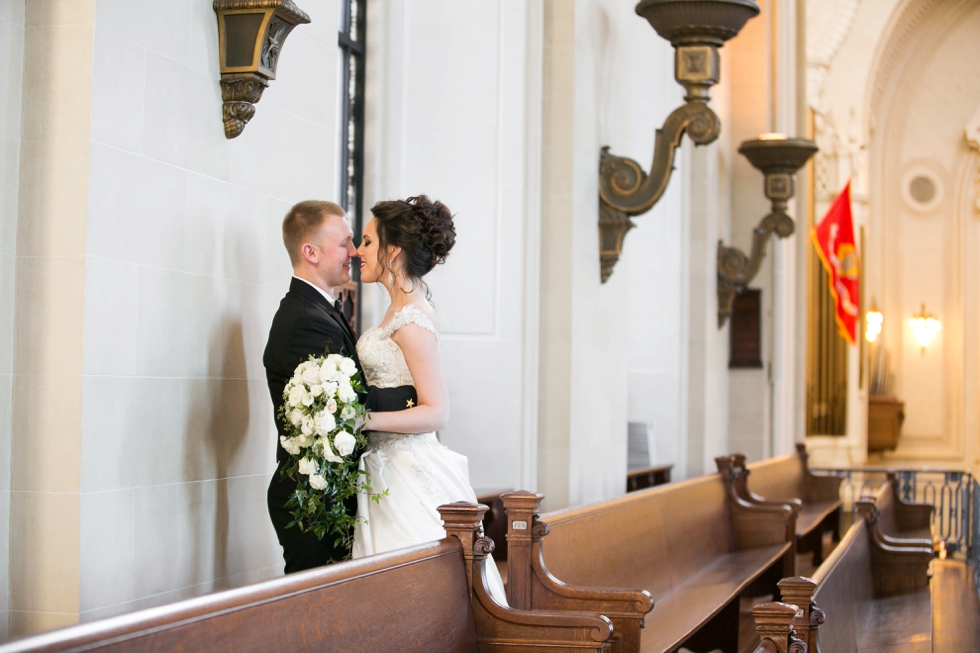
column 410, row 315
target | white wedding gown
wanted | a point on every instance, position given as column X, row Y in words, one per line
column 418, row 471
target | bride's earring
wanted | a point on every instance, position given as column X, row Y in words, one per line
column 391, row 277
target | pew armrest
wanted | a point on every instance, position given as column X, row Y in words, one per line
column 500, row 628
column 756, row 525
column 795, row 504
column 898, row 569
column 821, row 488
column 549, row 593
column 906, row 542
column 912, row 516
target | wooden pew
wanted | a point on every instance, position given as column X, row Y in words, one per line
column 641, row 479
column 867, row 595
column 788, row 478
column 694, row 547
column 495, row 522
column 899, row 518
column 432, row 597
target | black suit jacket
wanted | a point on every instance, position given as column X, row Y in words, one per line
column 306, row 323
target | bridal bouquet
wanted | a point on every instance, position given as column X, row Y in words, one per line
column 322, row 414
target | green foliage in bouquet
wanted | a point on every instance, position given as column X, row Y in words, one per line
column 322, row 413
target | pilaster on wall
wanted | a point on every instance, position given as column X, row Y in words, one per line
column 706, row 344
column 557, row 188
column 47, row 339
column 11, row 74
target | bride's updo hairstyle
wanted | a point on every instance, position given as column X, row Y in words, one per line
column 422, row 228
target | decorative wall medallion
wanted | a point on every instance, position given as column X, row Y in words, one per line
column 922, row 189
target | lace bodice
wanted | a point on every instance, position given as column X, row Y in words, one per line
column 381, row 358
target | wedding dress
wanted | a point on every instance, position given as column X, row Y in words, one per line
column 419, row 473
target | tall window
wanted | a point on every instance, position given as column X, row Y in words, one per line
column 352, row 41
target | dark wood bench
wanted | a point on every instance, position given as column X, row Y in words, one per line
column 495, row 521
column 432, row 597
column 900, row 518
column 641, row 479
column 868, row 595
column 787, row 479
column 693, row 547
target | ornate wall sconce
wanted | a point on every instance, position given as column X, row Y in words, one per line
column 924, row 327
column 778, row 158
column 250, row 38
column 696, row 30
column 873, row 320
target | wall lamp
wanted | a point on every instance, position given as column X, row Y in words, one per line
column 778, row 158
column 250, row 38
column 696, row 29
column 925, row 326
column 873, row 320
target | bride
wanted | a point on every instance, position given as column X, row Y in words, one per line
column 403, row 241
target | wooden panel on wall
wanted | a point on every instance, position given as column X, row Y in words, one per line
column 746, row 330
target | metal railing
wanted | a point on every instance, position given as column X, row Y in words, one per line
column 953, row 494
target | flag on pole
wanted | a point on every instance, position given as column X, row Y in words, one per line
column 834, row 239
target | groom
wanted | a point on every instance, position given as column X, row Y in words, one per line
column 320, row 244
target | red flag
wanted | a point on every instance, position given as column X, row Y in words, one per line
column 834, row 239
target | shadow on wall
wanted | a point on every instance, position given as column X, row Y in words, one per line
column 219, row 418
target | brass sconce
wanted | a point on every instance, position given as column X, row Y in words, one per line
column 925, row 326
column 250, row 38
column 696, row 30
column 778, row 158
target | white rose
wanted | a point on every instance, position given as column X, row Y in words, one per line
column 290, row 445
column 317, row 482
column 311, row 375
column 328, row 370
column 296, row 417
column 324, row 422
column 328, row 453
column 347, row 413
column 344, row 442
column 316, row 389
column 307, row 426
column 331, row 405
column 330, row 389
column 348, row 367
column 335, row 359
column 296, row 394
column 305, row 439
column 307, row 398
column 346, row 393
column 308, row 466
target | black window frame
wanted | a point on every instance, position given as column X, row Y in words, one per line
column 352, row 45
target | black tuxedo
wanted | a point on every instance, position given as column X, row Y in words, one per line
column 306, row 323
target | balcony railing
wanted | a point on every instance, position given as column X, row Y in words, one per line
column 953, row 494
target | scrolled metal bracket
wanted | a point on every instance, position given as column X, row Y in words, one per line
column 696, row 30
column 778, row 158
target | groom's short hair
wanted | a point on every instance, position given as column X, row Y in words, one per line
column 303, row 221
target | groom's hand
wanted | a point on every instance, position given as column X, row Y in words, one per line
column 386, row 400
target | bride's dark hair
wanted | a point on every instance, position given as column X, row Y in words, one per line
column 422, row 228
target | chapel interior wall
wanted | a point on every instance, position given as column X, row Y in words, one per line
column 449, row 87
column 46, row 404
column 12, row 25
